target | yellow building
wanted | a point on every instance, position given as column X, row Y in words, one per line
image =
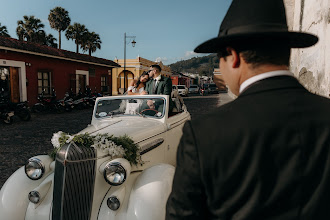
column 134, row 68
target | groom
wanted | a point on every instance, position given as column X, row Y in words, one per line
column 159, row 85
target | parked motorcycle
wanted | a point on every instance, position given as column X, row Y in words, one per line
column 78, row 100
column 48, row 104
column 5, row 113
column 202, row 91
column 20, row 109
column 68, row 102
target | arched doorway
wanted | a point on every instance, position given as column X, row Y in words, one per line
column 120, row 81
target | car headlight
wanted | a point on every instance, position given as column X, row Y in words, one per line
column 34, row 168
column 34, row 197
column 116, row 171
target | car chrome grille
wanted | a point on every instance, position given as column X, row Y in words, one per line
column 73, row 183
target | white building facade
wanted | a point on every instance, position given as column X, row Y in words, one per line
column 311, row 65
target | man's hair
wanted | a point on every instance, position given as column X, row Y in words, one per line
column 263, row 54
column 157, row 67
column 267, row 55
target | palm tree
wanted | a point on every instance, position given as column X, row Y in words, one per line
column 50, row 41
column 91, row 42
column 76, row 32
column 4, row 31
column 59, row 20
column 20, row 31
column 30, row 28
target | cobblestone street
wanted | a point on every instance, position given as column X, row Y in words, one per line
column 22, row 140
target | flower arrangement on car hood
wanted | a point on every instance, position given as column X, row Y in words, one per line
column 115, row 147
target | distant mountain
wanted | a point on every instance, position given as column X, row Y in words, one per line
column 200, row 65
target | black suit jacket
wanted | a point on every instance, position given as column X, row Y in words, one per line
column 265, row 155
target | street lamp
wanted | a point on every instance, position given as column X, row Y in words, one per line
column 133, row 44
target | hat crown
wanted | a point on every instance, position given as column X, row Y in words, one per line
column 254, row 16
column 251, row 23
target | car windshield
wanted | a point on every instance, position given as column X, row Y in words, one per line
column 181, row 87
column 212, row 85
column 136, row 107
column 193, row 86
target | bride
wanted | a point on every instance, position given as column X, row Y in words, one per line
column 137, row 86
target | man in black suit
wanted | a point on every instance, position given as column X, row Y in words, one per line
column 265, row 155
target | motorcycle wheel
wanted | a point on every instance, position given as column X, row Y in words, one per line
column 81, row 106
column 68, row 108
column 60, row 109
column 38, row 108
column 24, row 115
column 8, row 120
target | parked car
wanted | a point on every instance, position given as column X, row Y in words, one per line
column 183, row 90
column 82, row 182
column 193, row 89
column 212, row 88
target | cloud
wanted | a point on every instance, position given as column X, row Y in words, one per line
column 163, row 59
column 190, row 54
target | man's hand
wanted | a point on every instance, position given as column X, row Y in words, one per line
column 151, row 104
column 144, row 92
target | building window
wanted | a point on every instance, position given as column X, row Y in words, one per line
column 44, row 83
column 104, row 84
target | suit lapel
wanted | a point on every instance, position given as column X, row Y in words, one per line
column 149, row 87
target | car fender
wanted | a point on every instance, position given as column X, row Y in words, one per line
column 14, row 193
column 143, row 197
column 150, row 192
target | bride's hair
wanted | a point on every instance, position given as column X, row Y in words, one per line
column 139, row 79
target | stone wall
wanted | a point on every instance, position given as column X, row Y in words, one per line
column 311, row 65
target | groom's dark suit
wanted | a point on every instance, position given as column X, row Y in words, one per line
column 164, row 87
column 265, row 155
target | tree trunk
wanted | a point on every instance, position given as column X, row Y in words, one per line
column 90, row 52
column 77, row 51
column 59, row 39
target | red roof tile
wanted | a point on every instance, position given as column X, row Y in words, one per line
column 43, row 49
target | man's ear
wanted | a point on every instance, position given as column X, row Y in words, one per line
column 235, row 58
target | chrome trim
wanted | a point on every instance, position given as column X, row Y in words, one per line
column 151, row 145
column 38, row 194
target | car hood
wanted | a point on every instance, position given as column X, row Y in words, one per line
column 136, row 128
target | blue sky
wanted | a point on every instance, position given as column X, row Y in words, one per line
column 168, row 30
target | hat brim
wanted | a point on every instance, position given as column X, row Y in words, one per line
column 291, row 39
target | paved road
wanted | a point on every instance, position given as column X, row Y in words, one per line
column 22, row 140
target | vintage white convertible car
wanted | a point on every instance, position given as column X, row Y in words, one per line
column 87, row 183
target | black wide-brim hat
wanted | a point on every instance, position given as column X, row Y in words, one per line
column 249, row 23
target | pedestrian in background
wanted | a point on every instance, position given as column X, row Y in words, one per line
column 265, row 155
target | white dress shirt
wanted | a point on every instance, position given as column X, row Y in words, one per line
column 157, row 80
column 262, row 76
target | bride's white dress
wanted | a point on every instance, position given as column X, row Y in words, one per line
column 132, row 108
column 135, row 90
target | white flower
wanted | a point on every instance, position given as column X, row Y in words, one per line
column 56, row 139
column 70, row 137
